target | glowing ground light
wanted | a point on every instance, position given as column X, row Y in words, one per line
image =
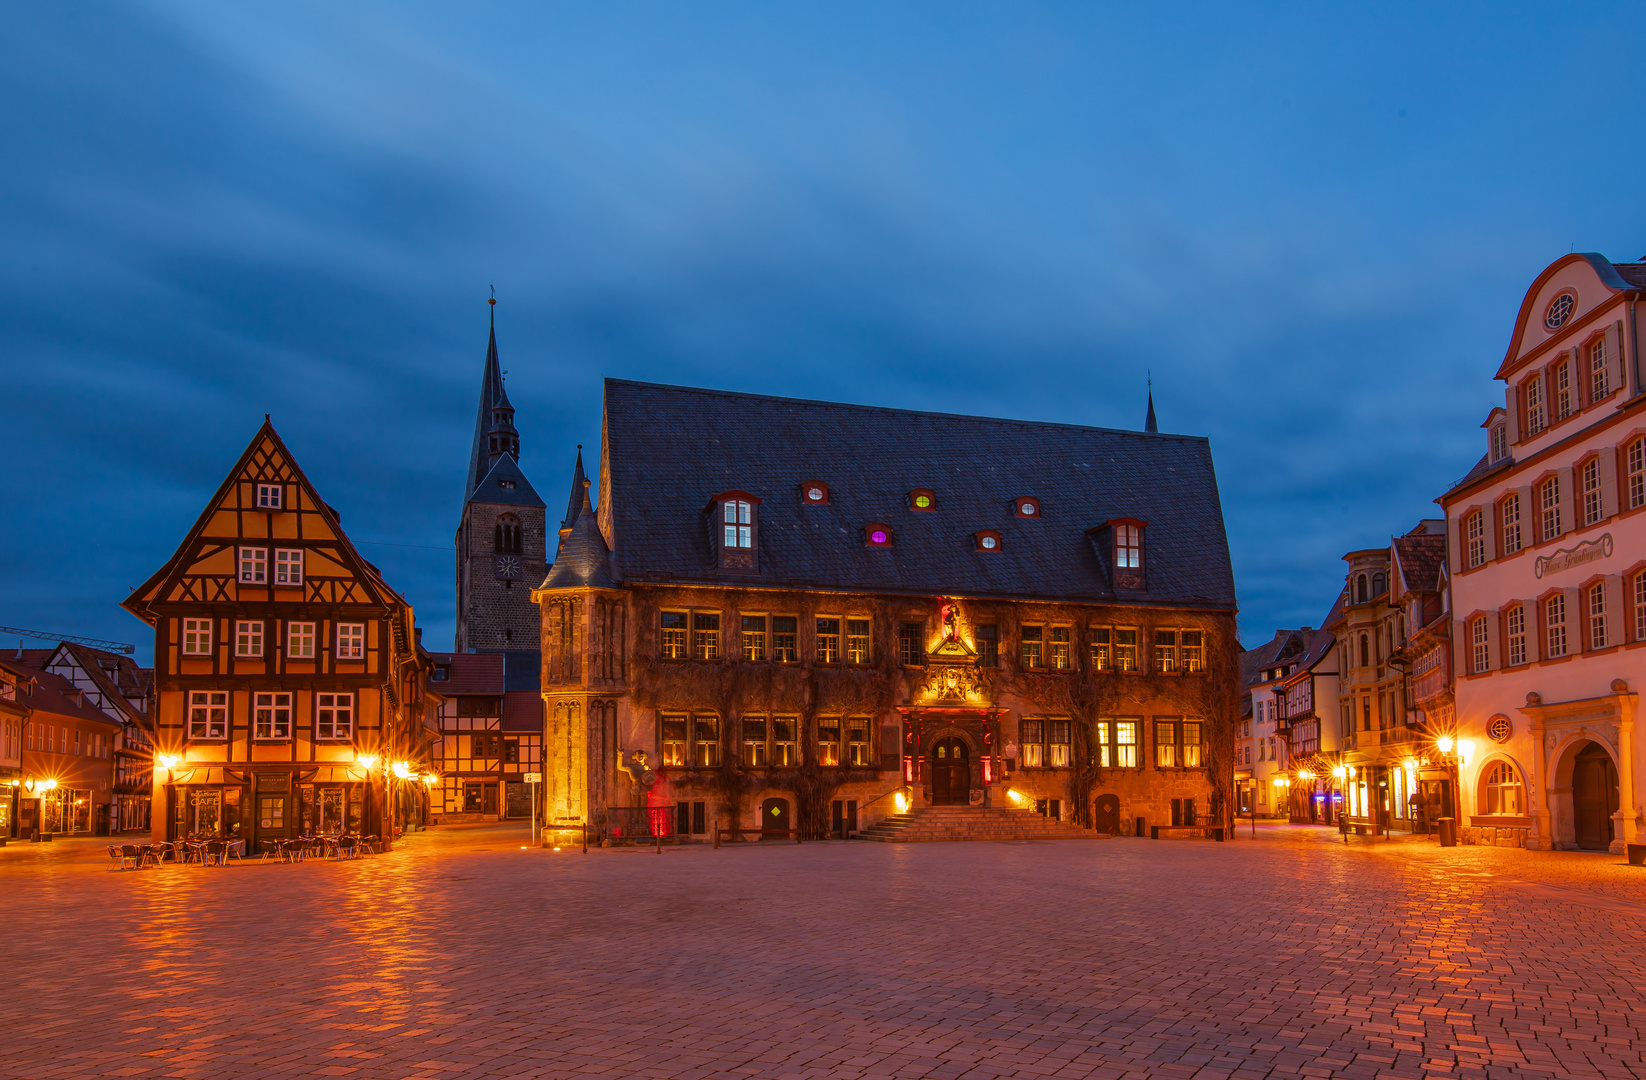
column 878, row 536
column 557, row 849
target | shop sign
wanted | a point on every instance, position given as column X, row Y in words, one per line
column 1566, row 558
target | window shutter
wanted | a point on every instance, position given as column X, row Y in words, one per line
column 1512, row 403
column 1461, row 664
column 1577, row 621
column 1608, row 481
column 1614, row 359
column 1534, row 630
column 1616, row 629
column 1569, row 520
column 1494, row 640
column 1488, row 518
column 1458, row 534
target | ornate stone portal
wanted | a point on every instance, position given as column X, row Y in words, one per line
column 951, row 708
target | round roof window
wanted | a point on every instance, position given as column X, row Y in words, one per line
column 923, row 501
column 878, row 536
column 989, row 543
column 1560, row 309
column 815, row 494
column 1027, row 508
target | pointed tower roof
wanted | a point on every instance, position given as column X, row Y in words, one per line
column 1149, row 424
column 579, row 494
column 495, row 415
column 584, row 560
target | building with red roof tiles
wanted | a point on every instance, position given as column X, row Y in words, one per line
column 491, row 740
column 64, row 749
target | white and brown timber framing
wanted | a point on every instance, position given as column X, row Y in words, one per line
column 234, row 771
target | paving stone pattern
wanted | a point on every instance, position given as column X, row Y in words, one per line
column 461, row 955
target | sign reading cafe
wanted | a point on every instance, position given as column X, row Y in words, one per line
column 1566, row 558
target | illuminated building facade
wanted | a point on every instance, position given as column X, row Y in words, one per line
column 1548, row 573
column 64, row 749
column 491, row 739
column 791, row 610
column 289, row 683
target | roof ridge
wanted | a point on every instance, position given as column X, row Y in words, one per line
column 610, row 380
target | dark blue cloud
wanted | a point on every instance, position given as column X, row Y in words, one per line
column 1312, row 226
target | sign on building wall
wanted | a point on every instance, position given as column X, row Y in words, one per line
column 1566, row 558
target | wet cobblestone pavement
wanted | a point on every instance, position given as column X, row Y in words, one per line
column 461, row 955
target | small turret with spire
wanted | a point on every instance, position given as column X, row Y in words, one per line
column 494, row 432
column 1149, row 424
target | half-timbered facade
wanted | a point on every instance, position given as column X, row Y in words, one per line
column 288, row 681
column 491, row 740
column 797, row 611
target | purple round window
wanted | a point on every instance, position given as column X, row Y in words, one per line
column 878, row 536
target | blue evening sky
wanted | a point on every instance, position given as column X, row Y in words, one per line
column 1314, row 223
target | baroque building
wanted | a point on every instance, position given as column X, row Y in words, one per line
column 288, row 679
column 774, row 611
column 1548, row 573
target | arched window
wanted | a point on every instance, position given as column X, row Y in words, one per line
column 1361, row 596
column 1380, row 584
column 506, row 536
column 1365, row 652
column 1500, row 793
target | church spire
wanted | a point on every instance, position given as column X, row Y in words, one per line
column 580, row 492
column 494, row 432
column 1149, row 424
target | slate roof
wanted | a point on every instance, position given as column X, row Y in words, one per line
column 669, row 450
column 492, row 396
column 522, row 711
column 1421, row 557
column 1253, row 662
column 582, row 561
column 491, row 489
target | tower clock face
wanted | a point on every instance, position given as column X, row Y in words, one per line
column 508, row 566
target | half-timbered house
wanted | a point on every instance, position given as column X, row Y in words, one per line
column 834, row 615
column 289, row 684
column 491, row 739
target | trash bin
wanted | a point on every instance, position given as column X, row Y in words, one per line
column 1141, row 831
column 1448, row 832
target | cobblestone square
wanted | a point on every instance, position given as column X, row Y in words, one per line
column 462, row 955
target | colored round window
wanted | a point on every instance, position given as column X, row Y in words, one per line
column 923, row 501
column 1560, row 309
column 1500, row 728
column 990, row 543
column 1027, row 508
column 878, row 536
column 815, row 494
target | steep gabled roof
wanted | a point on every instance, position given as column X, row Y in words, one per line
column 657, row 493
column 45, row 692
column 1419, row 560
column 495, row 487
column 492, row 396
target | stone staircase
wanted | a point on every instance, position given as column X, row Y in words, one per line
column 943, row 823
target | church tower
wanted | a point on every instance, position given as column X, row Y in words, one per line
column 501, row 542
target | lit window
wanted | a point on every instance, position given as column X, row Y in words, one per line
column 1597, row 616
column 1165, row 650
column 987, row 540
column 706, row 635
column 1554, row 621
column 828, row 641
column 1192, row 645
column 877, row 535
column 785, row 635
column 785, row 750
column 922, row 499
column 674, row 635
column 739, row 524
column 1117, row 744
column 1191, row 744
column 208, row 714
column 1032, row 752
column 816, row 492
column 196, row 637
column 1058, row 747
column 1534, row 405
column 333, row 716
column 1125, row 650
column 1058, row 654
column 1592, row 511
column 1517, row 636
column 1128, row 547
column 1165, row 744
column 1479, row 640
column 705, row 741
column 351, row 641
column 857, row 641
column 1637, row 473
column 754, row 742
column 271, row 716
column 1563, row 391
column 674, row 740
column 1550, row 502
column 754, row 638
column 300, row 641
column 1101, row 657
column 828, row 740
column 1032, row 641
column 1600, row 382
column 1511, row 524
column 1028, row 507
column 254, row 565
column 248, row 638
column 288, row 566
column 1475, row 527
column 857, row 742
column 268, row 496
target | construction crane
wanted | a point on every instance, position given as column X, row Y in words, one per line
column 96, row 643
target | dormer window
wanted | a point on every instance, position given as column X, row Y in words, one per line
column 1500, row 442
column 1026, row 507
column 877, row 535
column 922, row 499
column 1128, row 547
column 986, row 540
column 814, row 493
column 737, row 529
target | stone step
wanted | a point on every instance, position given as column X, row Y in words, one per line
column 936, row 824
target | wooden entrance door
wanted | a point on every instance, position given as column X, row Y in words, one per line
column 1594, row 797
column 774, row 817
column 951, row 773
column 1106, row 819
